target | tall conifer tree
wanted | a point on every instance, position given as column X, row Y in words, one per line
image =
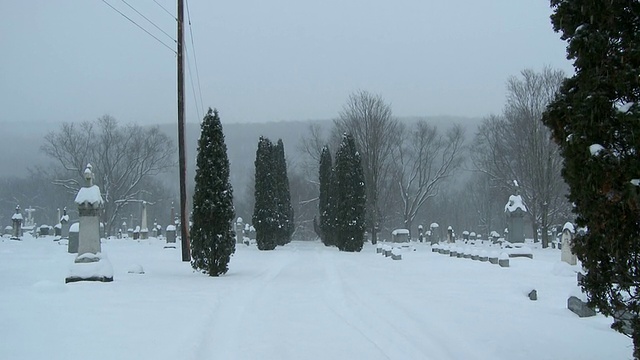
column 212, row 241
column 265, row 215
column 596, row 121
column 350, row 197
column 283, row 195
column 325, row 209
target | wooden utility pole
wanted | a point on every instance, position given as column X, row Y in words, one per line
column 184, row 216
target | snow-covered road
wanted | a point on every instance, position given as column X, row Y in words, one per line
column 301, row 301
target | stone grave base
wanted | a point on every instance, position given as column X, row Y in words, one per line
column 170, row 245
column 579, row 307
column 90, row 267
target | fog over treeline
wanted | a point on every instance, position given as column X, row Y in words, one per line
column 25, row 178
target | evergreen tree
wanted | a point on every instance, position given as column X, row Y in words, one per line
column 325, row 177
column 596, row 121
column 283, row 196
column 265, row 215
column 212, row 241
column 350, row 198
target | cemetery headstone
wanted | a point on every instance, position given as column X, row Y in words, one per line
column 64, row 224
column 400, row 235
column 239, row 227
column 450, row 238
column 90, row 264
column 579, row 307
column 16, row 220
column 566, row 255
column 74, row 234
column 515, row 211
column 144, row 230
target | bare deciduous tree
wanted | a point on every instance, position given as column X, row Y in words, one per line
column 425, row 159
column 122, row 158
column 369, row 120
column 517, row 146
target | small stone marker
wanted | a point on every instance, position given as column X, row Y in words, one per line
column 493, row 258
column 378, row 248
column 396, row 254
column 579, row 307
column 484, row 257
column 503, row 260
column 533, row 295
column 74, row 234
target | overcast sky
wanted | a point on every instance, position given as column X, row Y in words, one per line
column 73, row 60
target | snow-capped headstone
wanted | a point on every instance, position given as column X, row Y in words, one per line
column 64, row 224
column 57, row 229
column 400, row 235
column 239, row 227
column 568, row 232
column 16, row 219
column 450, row 238
column 144, row 230
column 90, row 264
column 515, row 211
column 74, row 234
column 434, row 233
column 171, row 234
column 503, row 260
column 420, row 233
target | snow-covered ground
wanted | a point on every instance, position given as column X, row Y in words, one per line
column 301, row 301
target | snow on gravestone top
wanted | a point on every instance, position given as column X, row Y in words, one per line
column 515, row 202
column 89, row 195
column 171, row 228
column 569, row 226
column 434, row 225
column 400, row 232
column 16, row 216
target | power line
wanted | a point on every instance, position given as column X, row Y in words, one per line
column 195, row 58
column 141, row 28
column 165, row 10
column 151, row 22
column 199, row 110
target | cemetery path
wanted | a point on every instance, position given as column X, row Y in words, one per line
column 281, row 306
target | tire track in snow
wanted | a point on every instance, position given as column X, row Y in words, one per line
column 224, row 334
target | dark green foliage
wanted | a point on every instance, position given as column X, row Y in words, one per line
column 265, row 216
column 326, row 224
column 212, row 241
column 282, row 196
column 599, row 105
column 349, row 196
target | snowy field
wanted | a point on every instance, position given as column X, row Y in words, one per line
column 301, row 301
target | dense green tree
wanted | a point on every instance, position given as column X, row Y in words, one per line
column 212, row 241
column 596, row 121
column 265, row 215
column 350, row 197
column 325, row 177
column 285, row 216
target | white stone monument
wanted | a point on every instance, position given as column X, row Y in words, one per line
column 144, row 230
column 90, row 264
column 568, row 232
column 64, row 222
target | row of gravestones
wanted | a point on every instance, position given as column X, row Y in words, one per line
column 493, row 257
column 393, row 252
